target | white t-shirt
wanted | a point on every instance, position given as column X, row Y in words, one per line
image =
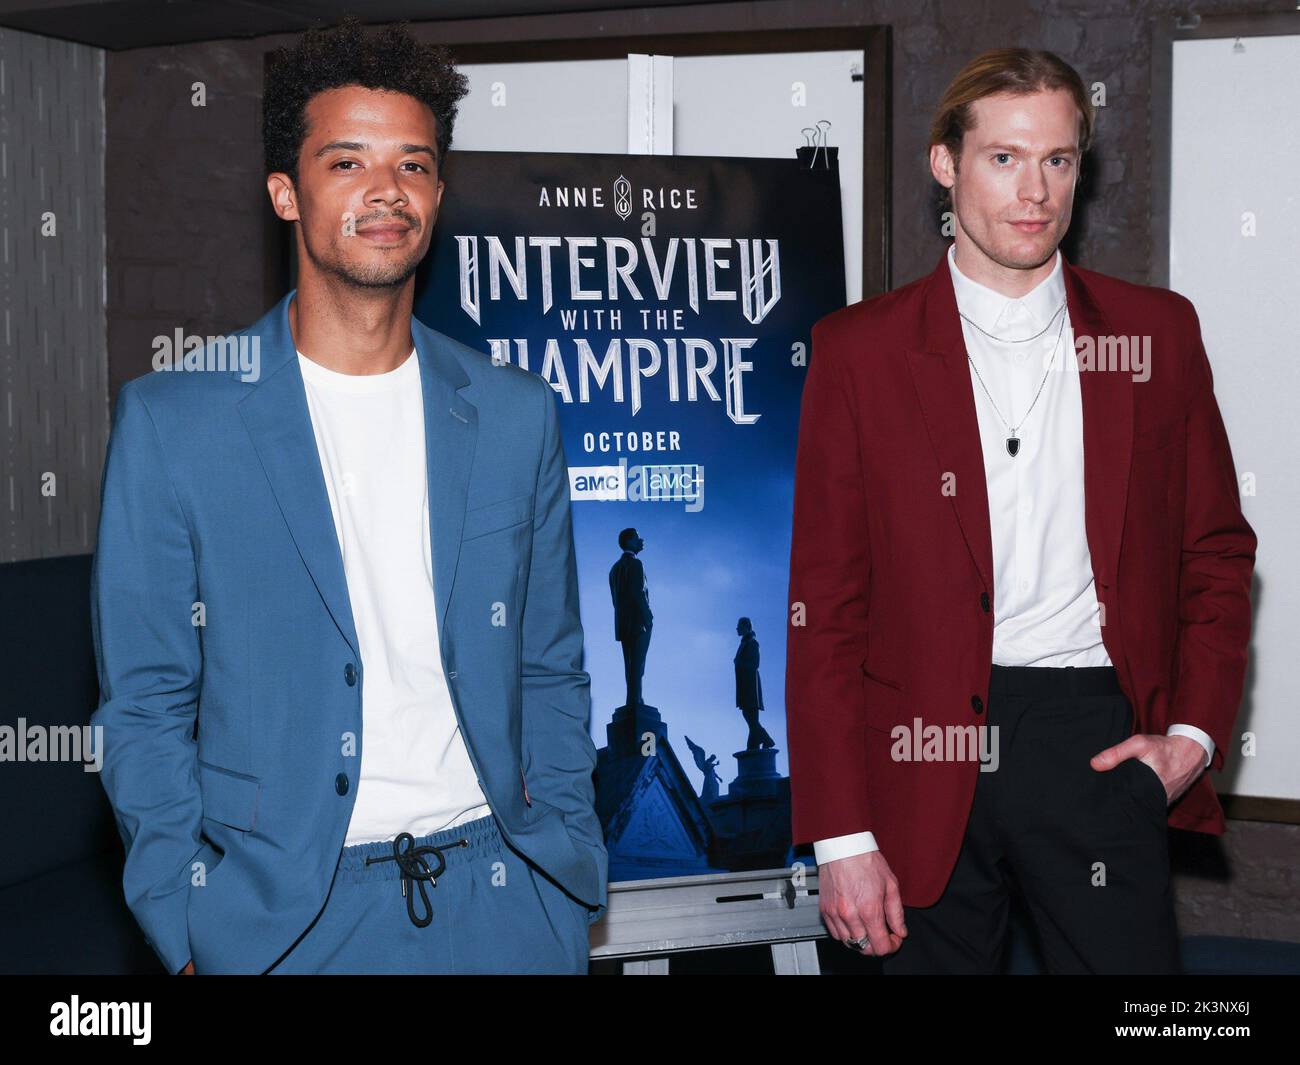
column 416, row 775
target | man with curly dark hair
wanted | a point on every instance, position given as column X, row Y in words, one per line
column 360, row 565
column 319, row 93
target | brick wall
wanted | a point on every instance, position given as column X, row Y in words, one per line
column 53, row 401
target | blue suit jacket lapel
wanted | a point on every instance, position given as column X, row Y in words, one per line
column 278, row 422
column 450, row 438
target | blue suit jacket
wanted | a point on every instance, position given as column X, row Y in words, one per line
column 226, row 742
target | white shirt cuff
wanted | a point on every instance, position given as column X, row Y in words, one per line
column 830, row 850
column 1192, row 732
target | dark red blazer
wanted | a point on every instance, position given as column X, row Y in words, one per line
column 889, row 574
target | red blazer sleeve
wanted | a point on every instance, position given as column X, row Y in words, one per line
column 1218, row 558
column 830, row 579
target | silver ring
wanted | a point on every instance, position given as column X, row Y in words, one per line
column 856, row 944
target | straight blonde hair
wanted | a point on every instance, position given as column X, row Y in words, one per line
column 1019, row 71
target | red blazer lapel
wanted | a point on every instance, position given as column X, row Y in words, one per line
column 941, row 376
column 1107, row 426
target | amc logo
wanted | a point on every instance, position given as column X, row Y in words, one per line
column 679, row 483
column 597, row 482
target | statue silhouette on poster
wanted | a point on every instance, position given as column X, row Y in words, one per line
column 633, row 620
column 749, row 688
column 706, row 764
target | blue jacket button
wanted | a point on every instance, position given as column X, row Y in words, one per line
column 341, row 783
column 350, row 674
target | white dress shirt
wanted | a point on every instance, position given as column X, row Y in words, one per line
column 415, row 774
column 1047, row 612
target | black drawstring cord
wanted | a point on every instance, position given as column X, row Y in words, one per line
column 410, row 860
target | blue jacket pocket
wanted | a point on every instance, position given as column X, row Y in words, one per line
column 496, row 516
column 228, row 797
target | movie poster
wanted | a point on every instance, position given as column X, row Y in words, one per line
column 669, row 301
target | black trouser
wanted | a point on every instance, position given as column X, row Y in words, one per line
column 1086, row 850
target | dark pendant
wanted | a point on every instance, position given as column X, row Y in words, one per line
column 1013, row 445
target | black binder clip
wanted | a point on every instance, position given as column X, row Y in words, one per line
column 815, row 147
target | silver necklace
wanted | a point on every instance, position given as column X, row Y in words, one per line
column 1013, row 441
column 1025, row 340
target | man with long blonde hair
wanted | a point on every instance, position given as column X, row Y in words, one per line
column 1024, row 573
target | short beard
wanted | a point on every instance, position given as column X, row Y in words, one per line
column 382, row 276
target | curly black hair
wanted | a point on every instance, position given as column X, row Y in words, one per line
column 389, row 59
